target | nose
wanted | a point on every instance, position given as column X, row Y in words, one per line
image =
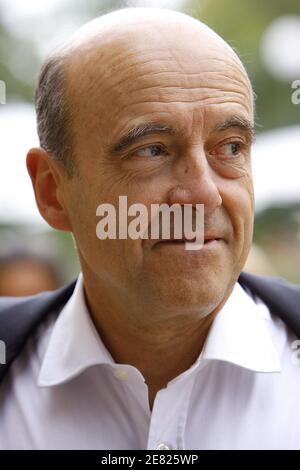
column 195, row 183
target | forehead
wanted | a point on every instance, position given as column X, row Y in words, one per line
column 116, row 80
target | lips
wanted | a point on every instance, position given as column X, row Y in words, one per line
column 207, row 239
column 211, row 239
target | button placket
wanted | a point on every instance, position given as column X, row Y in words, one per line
column 162, row 446
column 167, row 425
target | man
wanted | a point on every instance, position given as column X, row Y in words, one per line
column 157, row 347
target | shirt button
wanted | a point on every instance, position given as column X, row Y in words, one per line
column 121, row 374
column 162, row 446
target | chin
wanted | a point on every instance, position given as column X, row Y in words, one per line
column 198, row 295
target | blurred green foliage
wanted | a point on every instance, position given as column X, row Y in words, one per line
column 242, row 23
column 14, row 48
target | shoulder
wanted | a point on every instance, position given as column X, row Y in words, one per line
column 18, row 315
column 10, row 302
column 281, row 297
column 268, row 284
column 19, row 318
column 36, row 302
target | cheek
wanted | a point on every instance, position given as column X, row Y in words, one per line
column 82, row 201
column 109, row 258
column 238, row 201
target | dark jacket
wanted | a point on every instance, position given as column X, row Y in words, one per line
column 19, row 317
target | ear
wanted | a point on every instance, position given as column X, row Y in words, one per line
column 47, row 177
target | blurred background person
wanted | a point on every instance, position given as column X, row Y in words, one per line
column 23, row 273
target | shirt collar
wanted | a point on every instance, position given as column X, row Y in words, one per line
column 239, row 335
column 74, row 343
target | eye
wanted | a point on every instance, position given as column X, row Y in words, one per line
column 150, row 151
column 230, row 149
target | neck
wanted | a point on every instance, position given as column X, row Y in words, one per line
column 161, row 349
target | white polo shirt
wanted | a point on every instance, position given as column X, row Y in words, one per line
column 65, row 391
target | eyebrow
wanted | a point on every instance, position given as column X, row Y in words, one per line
column 239, row 122
column 149, row 128
column 138, row 132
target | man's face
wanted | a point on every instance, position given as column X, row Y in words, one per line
column 198, row 97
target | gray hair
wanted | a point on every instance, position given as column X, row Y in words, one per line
column 53, row 112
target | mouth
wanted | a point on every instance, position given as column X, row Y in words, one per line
column 208, row 240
